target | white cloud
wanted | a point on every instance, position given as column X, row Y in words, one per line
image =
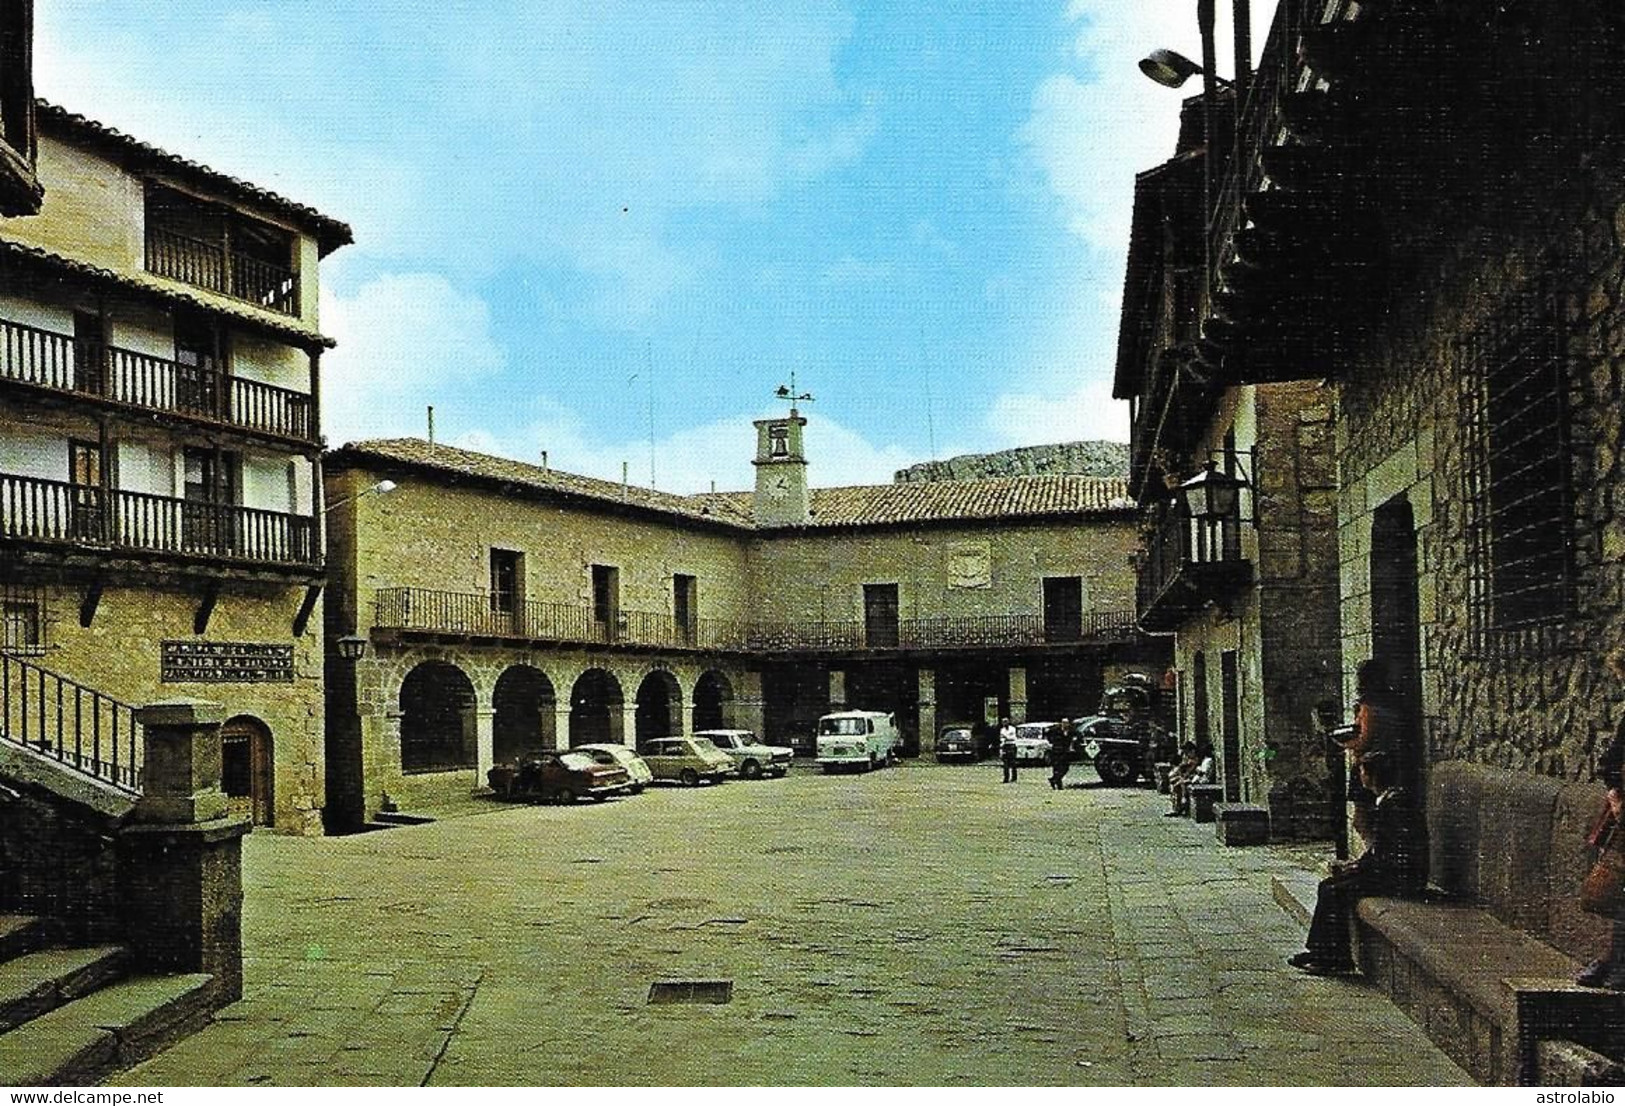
column 1086, row 414
column 405, row 340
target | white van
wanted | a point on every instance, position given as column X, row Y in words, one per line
column 861, row 739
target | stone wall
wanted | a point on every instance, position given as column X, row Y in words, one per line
column 1545, row 707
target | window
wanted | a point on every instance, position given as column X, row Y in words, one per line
column 507, row 575
column 89, row 353
column 22, row 623
column 606, row 597
column 211, row 483
column 85, row 475
column 685, row 605
column 1518, row 482
column 1063, row 608
column 198, row 365
column 880, row 615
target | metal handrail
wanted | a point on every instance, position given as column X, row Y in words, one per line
column 72, row 724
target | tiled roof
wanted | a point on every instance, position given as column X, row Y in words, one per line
column 168, row 291
column 1010, row 497
column 330, row 233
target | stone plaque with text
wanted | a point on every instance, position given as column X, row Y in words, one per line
column 226, row 662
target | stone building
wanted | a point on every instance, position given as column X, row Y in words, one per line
column 1427, row 213
column 509, row 606
column 160, row 447
column 1250, row 596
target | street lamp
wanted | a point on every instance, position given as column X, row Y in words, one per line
column 1211, row 495
column 351, row 647
column 383, row 487
column 1171, row 69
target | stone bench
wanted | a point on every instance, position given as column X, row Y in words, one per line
column 1241, row 824
column 1486, row 963
column 1203, row 798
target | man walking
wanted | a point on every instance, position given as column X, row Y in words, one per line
column 1060, row 755
column 1007, row 750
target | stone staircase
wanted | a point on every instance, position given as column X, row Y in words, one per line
column 73, row 1016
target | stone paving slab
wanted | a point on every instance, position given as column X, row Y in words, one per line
column 919, row 926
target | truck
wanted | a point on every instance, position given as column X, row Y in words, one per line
column 856, row 739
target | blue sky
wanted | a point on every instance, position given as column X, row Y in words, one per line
column 586, row 226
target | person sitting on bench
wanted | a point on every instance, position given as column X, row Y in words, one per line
column 1394, row 863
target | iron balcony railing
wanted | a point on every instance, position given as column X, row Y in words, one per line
column 32, row 509
column 473, row 614
column 46, row 359
column 68, row 722
column 212, row 265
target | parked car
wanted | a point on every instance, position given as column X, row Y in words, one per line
column 958, row 742
column 1033, row 741
column 750, row 756
column 688, row 760
column 638, row 774
column 557, row 778
column 1122, row 751
column 861, row 739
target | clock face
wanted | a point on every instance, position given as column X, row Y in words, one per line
column 779, row 486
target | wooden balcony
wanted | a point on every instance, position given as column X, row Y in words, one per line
column 53, row 513
column 1187, row 565
column 59, row 363
column 218, row 268
column 473, row 615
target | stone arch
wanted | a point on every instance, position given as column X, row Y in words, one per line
column 438, row 728
column 713, row 701
column 247, row 768
column 660, row 706
column 596, row 703
column 524, row 714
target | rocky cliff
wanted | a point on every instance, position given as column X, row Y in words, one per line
column 1084, row 458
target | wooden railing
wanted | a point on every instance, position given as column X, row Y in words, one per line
column 50, row 360
column 210, row 265
column 32, row 509
column 1186, row 562
column 69, row 723
column 472, row 614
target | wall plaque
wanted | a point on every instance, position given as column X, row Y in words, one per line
column 970, row 565
column 225, row 662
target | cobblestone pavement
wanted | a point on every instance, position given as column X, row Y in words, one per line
column 920, row 925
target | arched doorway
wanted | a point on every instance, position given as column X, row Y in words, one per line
column 713, row 695
column 437, row 719
column 247, row 775
column 660, row 705
column 595, row 708
column 523, row 718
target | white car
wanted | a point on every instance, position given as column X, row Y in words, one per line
column 750, row 756
column 637, row 771
column 1033, row 742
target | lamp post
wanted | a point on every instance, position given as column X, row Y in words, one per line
column 345, row 810
column 383, row 487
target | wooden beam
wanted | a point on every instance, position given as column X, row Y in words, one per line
column 312, row 593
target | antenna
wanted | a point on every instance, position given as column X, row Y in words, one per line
column 431, row 424
column 930, row 420
column 649, row 365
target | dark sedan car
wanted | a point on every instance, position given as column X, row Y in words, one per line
column 958, row 742
column 557, row 778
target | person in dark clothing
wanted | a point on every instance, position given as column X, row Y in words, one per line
column 1609, row 971
column 1394, row 863
column 1060, row 754
column 1376, row 730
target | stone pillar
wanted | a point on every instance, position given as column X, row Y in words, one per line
column 926, row 700
column 745, row 711
column 484, row 743
column 562, row 737
column 180, row 854
column 1018, row 695
column 837, row 689
column 387, row 766
column 628, row 719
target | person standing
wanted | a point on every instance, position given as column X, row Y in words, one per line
column 1375, row 730
column 1060, row 755
column 1007, row 750
column 1394, row 863
column 1609, row 971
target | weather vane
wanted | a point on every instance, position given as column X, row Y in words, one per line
column 790, row 395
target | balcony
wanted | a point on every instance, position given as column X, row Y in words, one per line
column 1187, row 565
column 214, row 265
column 472, row 615
column 50, row 512
column 61, row 364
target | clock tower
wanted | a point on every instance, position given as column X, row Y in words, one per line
column 782, row 497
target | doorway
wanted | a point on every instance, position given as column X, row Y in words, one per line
column 246, row 774
column 1396, row 628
